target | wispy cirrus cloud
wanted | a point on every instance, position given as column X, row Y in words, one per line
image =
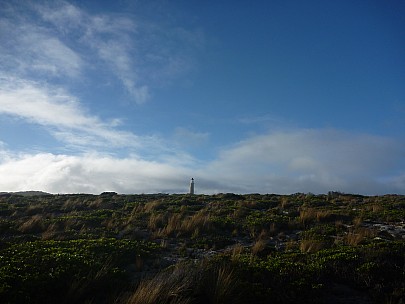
column 44, row 43
column 58, row 39
column 186, row 137
column 61, row 113
column 28, row 49
column 140, row 54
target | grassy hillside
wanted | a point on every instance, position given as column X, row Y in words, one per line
column 224, row 248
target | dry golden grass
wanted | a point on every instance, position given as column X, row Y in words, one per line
column 184, row 282
column 323, row 215
column 258, row 246
column 68, row 205
column 247, row 204
column 165, row 287
column 139, row 263
column 237, row 250
column 153, row 206
column 284, row 203
column 156, row 221
column 179, row 224
column 33, row 209
column 357, row 221
column 34, row 224
column 310, row 215
column 72, row 223
column 138, row 209
column 339, row 224
column 240, row 212
column 98, row 204
column 222, row 287
column 252, row 232
column 164, row 243
column 291, row 245
column 173, row 224
column 52, row 231
column 358, row 235
column 273, row 229
column 307, row 215
column 311, row 246
column 376, row 208
column 263, row 234
column 196, row 233
column 353, row 239
column 200, row 220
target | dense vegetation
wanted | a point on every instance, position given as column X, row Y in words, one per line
column 224, row 248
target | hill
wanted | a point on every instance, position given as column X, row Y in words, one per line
column 26, row 193
column 225, row 248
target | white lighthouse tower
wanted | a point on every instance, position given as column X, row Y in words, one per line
column 192, row 186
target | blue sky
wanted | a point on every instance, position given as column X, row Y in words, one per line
column 140, row 96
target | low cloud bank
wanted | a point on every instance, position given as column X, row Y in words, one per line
column 313, row 161
column 281, row 162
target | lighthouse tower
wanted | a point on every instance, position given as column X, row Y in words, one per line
column 192, row 186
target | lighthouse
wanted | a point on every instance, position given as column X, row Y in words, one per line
column 192, row 186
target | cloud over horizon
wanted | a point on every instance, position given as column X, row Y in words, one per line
column 312, row 160
column 283, row 162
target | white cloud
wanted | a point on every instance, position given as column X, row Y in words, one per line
column 57, row 39
column 62, row 14
column 108, row 37
column 261, row 119
column 111, row 39
column 310, row 161
column 114, row 39
column 187, row 138
column 91, row 173
column 52, row 56
column 61, row 112
column 27, row 48
column 283, row 162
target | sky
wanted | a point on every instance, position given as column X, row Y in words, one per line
column 260, row 97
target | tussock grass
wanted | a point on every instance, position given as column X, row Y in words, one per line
column 358, row 235
column 311, row 246
column 323, row 215
column 34, row 224
column 236, row 251
column 52, row 231
column 240, row 212
column 307, row 216
column 178, row 224
column 165, row 287
column 153, row 206
column 258, row 246
column 157, row 221
column 189, row 283
column 291, row 245
column 311, row 215
column 34, row 209
column 200, row 220
column 375, row 208
column 357, row 221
